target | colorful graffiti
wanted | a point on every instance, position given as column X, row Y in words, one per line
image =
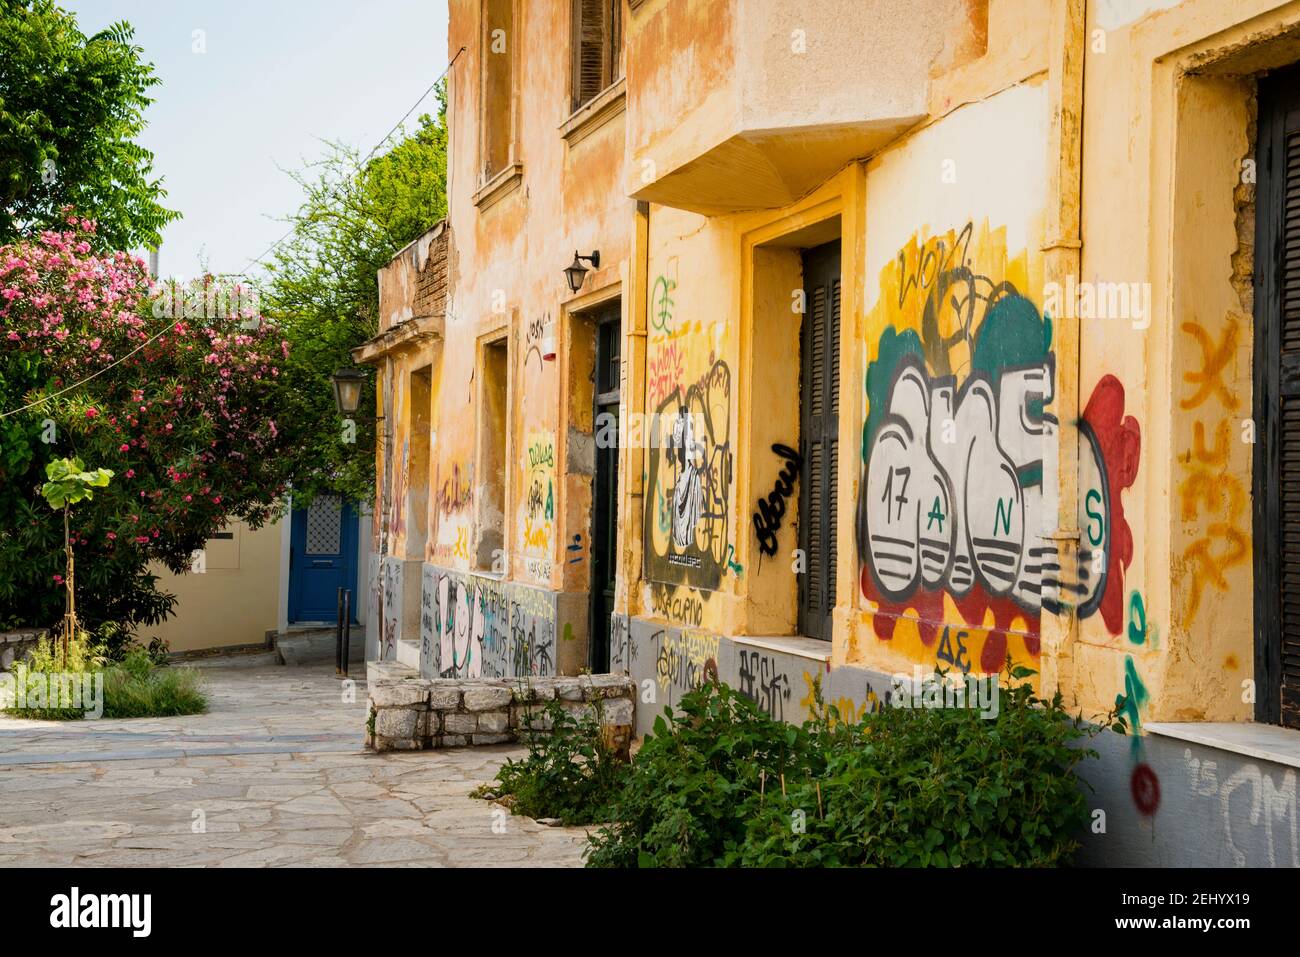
column 959, row 461
column 685, row 661
column 690, row 480
column 689, row 468
column 455, row 492
column 479, row 628
column 539, row 501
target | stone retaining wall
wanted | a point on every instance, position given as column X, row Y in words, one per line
column 14, row 645
column 411, row 713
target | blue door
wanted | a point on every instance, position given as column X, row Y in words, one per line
column 322, row 559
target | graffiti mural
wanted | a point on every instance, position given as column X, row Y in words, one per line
column 539, row 499
column 473, row 627
column 690, row 481
column 684, row 661
column 689, row 451
column 959, row 462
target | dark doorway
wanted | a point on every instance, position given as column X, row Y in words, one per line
column 1277, row 401
column 819, row 397
column 604, row 518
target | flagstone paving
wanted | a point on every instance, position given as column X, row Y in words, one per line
column 273, row 775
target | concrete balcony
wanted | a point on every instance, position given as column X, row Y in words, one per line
column 744, row 104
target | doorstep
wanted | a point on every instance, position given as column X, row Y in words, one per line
column 811, row 648
column 1267, row 742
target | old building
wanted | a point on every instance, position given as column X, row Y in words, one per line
column 911, row 335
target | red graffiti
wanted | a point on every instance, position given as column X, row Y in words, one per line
column 1145, row 788
column 1120, row 439
column 663, row 372
column 929, row 617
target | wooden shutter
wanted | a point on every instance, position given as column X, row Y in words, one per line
column 1277, row 401
column 819, row 421
column 1289, row 421
column 596, row 35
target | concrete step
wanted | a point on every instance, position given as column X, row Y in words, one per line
column 319, row 645
column 259, row 659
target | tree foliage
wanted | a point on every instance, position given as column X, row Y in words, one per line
column 322, row 288
column 71, row 107
column 180, row 407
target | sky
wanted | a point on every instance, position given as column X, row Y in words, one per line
column 274, row 79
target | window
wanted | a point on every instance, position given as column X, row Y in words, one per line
column 497, row 121
column 494, row 401
column 597, row 43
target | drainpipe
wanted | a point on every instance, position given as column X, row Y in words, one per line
column 1067, row 43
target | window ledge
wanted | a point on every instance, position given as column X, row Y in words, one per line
column 789, row 644
column 499, row 185
column 1267, row 742
column 596, row 112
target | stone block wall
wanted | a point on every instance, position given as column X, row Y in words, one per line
column 412, row 713
column 14, row 645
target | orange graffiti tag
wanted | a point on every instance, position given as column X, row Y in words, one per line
column 1214, row 359
column 1208, row 481
column 1213, row 565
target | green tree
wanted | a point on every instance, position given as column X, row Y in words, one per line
column 71, row 107
column 322, row 291
column 178, row 400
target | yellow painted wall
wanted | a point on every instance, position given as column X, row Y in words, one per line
column 234, row 602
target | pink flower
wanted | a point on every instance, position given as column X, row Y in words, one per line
column 130, row 473
column 124, row 447
column 58, row 579
column 92, row 412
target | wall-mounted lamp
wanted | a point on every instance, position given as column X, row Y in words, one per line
column 347, row 391
column 577, row 272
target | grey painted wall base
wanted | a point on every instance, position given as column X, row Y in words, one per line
column 398, row 593
column 667, row 662
column 1173, row 803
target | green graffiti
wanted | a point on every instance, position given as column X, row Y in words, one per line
column 1096, row 519
column 936, row 515
column 1003, row 517
column 1135, row 696
column 663, row 303
column 894, row 345
column 1012, row 336
column 1137, row 619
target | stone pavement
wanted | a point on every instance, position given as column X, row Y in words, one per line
column 273, row 775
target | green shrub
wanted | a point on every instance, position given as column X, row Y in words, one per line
column 570, row 773
column 722, row 784
column 134, row 687
column 696, row 782
column 139, row 689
